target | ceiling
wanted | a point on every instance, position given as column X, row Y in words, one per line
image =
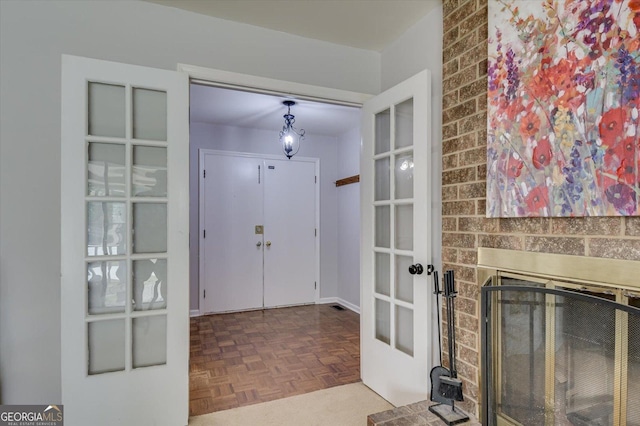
column 365, row 24
column 228, row 107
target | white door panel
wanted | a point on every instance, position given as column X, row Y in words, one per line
column 396, row 334
column 243, row 270
column 124, row 244
column 290, row 228
column 232, row 207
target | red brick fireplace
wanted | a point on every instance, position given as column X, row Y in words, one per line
column 465, row 227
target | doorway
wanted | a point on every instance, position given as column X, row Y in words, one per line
column 229, row 120
column 258, row 231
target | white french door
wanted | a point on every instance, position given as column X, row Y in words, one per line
column 258, row 220
column 124, row 249
column 395, row 204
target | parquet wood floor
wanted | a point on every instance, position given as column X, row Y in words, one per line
column 245, row 358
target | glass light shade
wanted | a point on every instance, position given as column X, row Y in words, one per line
column 290, row 141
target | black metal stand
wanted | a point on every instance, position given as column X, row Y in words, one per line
column 449, row 414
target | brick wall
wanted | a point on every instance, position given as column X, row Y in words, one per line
column 465, row 227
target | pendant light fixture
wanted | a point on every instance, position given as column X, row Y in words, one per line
column 290, row 137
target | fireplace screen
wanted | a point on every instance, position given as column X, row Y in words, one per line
column 558, row 353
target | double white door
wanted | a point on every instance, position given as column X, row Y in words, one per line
column 257, row 232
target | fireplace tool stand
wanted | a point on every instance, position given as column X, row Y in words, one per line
column 447, row 388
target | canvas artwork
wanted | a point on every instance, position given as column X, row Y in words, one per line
column 563, row 106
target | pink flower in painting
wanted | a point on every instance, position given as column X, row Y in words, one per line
column 514, row 167
column 537, row 198
column 622, row 158
column 612, row 126
column 542, row 154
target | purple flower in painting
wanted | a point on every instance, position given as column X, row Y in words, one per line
column 628, row 77
column 623, row 198
column 512, row 75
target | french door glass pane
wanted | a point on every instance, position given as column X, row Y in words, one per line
column 404, row 124
column 383, row 320
column 149, row 114
column 106, row 346
column 106, row 228
column 404, row 175
column 404, row 227
column 383, row 273
column 150, row 227
column 404, row 280
column 383, row 179
column 149, row 341
column 106, row 170
column 404, row 329
column 107, row 283
column 149, row 284
column 383, row 228
column 149, row 171
column 106, row 110
column 383, row 132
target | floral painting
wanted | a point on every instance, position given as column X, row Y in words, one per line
column 563, row 102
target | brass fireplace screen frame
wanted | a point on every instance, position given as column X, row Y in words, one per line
column 613, row 277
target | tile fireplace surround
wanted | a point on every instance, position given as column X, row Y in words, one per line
column 560, row 339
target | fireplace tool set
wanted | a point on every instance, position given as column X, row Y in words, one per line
column 446, row 388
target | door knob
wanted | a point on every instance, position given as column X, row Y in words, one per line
column 259, row 243
column 416, row 269
column 268, row 244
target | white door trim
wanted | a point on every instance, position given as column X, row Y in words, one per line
column 204, row 151
column 256, row 84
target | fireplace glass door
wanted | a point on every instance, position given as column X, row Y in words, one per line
column 560, row 353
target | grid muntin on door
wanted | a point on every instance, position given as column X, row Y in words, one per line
column 393, row 226
column 126, row 191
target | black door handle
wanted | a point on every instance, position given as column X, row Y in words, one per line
column 416, row 269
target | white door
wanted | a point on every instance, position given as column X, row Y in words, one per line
column 395, row 305
column 290, row 233
column 231, row 207
column 125, row 248
column 242, row 268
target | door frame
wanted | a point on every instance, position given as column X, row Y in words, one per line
column 255, row 84
column 205, row 151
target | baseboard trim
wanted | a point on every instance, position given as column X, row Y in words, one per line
column 194, row 313
column 340, row 301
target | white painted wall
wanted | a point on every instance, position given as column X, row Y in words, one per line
column 349, row 145
column 419, row 48
column 258, row 141
column 33, row 35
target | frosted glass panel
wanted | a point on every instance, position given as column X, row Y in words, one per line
column 107, row 286
column 106, row 110
column 149, row 341
column 106, row 346
column 149, row 228
column 383, row 273
column 383, row 132
column 149, row 114
column 404, row 124
column 383, row 321
column 404, row 227
column 404, row 176
column 404, row 330
column 404, row 280
column 149, row 171
column 106, row 170
column 383, row 226
column 106, row 228
column 149, row 284
column 383, row 179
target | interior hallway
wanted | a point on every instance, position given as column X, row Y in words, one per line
column 245, row 358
